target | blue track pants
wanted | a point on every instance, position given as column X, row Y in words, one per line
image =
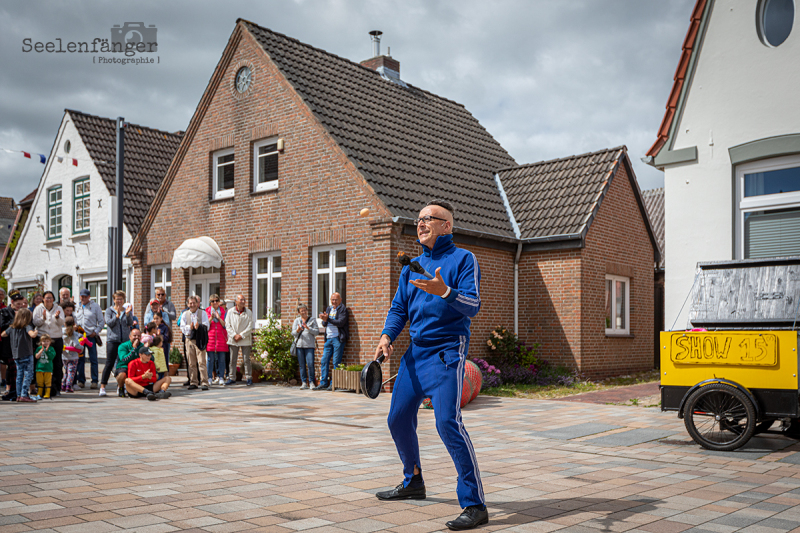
column 436, row 372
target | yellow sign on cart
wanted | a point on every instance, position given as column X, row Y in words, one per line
column 765, row 359
column 724, row 348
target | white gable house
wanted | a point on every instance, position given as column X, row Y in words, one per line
column 65, row 241
column 729, row 144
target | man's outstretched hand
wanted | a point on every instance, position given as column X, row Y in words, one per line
column 384, row 347
column 435, row 286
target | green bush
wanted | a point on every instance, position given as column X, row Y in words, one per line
column 351, row 368
column 272, row 348
column 505, row 348
column 175, row 356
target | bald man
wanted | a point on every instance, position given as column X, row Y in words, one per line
column 438, row 311
column 336, row 324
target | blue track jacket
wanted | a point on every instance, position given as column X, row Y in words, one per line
column 434, row 319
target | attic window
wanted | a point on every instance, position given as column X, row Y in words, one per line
column 67, row 146
column 774, row 21
column 243, row 78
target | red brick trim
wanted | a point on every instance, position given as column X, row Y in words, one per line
column 225, row 141
column 264, row 245
column 331, row 236
column 617, row 269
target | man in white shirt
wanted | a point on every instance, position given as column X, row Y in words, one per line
column 89, row 316
column 192, row 321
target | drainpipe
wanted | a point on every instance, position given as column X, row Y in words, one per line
column 518, row 236
column 516, row 288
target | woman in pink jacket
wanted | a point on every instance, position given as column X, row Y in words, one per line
column 217, row 347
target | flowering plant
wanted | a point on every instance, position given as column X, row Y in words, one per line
column 489, row 373
column 506, row 348
column 272, row 348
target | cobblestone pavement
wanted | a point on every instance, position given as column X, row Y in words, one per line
column 271, row 458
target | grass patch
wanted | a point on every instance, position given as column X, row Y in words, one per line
column 549, row 392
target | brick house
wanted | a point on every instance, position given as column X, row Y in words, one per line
column 289, row 143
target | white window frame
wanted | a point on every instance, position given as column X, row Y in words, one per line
column 269, row 185
column 84, row 198
column 612, row 332
column 164, row 283
column 224, row 193
column 764, row 202
column 59, row 205
column 86, row 281
column 332, row 270
column 270, row 275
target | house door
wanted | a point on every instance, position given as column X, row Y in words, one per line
column 64, row 281
column 203, row 283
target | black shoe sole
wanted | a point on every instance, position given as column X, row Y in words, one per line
column 402, row 497
column 479, row 524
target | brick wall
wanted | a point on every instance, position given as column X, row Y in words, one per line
column 550, row 304
column 618, row 243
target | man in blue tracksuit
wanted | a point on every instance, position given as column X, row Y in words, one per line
column 439, row 312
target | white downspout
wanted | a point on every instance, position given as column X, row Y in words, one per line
column 518, row 235
column 516, row 288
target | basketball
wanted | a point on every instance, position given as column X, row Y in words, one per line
column 473, row 380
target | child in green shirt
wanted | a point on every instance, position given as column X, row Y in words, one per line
column 44, row 366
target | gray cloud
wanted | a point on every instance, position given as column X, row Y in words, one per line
column 547, row 78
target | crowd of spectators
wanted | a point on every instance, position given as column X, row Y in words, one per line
column 44, row 347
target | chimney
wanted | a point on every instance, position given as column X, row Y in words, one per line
column 386, row 66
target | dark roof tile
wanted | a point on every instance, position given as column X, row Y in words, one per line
column 558, row 197
column 148, row 154
column 654, row 203
column 409, row 144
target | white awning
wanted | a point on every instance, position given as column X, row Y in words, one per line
column 199, row 252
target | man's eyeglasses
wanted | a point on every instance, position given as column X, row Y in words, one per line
column 212, row 301
column 427, row 220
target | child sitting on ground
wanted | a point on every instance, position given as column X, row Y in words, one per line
column 21, row 334
column 141, row 380
column 72, row 352
column 158, row 356
column 44, row 366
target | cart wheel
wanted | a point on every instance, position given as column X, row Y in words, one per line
column 719, row 417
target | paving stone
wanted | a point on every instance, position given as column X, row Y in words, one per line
column 275, row 459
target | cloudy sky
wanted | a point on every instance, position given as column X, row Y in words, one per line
column 547, row 78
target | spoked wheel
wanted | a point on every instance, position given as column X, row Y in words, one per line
column 719, row 417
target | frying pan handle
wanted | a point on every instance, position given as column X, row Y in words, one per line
column 381, row 358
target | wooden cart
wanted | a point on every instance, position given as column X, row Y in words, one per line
column 734, row 374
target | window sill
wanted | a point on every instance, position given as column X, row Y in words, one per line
column 53, row 242
column 259, row 192
column 81, row 236
column 219, row 199
column 621, row 335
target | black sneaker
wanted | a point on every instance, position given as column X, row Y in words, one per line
column 192, row 387
column 402, row 493
column 9, row 397
column 160, row 395
column 204, row 387
column 471, row 518
column 167, row 394
column 121, row 393
column 151, row 397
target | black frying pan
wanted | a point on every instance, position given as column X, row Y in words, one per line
column 372, row 378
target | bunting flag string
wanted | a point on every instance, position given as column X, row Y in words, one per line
column 43, row 159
